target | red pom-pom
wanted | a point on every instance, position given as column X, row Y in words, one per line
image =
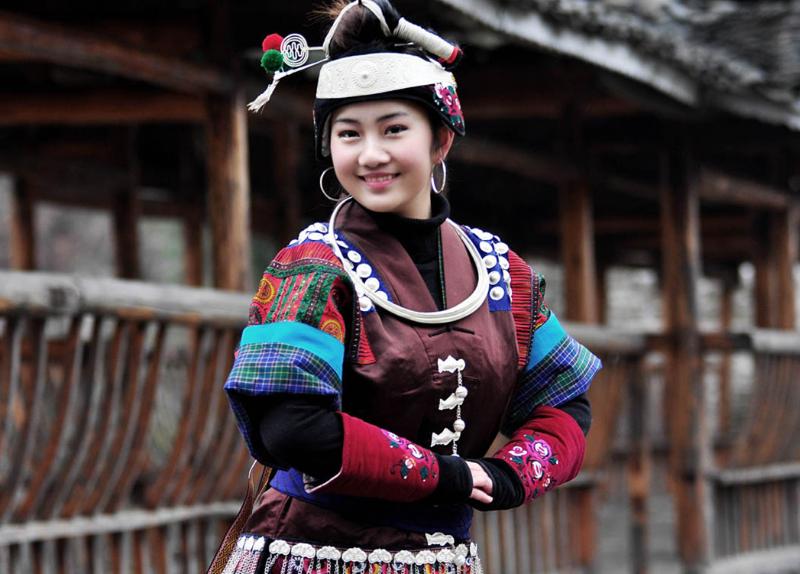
column 272, row 42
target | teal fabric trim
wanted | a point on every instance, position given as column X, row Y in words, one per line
column 545, row 339
column 326, row 347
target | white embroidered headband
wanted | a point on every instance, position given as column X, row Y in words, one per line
column 378, row 73
column 285, row 56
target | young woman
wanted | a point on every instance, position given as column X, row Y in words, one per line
column 388, row 347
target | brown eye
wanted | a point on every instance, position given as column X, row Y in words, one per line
column 396, row 129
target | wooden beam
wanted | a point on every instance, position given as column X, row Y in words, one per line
column 719, row 187
column 229, row 192
column 685, row 403
column 27, row 39
column 22, row 236
column 100, row 107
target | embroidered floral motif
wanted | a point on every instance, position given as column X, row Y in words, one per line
column 446, row 99
column 533, row 460
column 415, row 458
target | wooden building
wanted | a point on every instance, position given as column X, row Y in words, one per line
column 660, row 134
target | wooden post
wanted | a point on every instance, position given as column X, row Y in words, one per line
column 580, row 298
column 765, row 274
column 287, row 156
column 785, row 242
column 229, row 191
column 688, row 436
column 126, row 211
column 577, row 230
column 577, row 252
column 193, row 253
column 21, row 231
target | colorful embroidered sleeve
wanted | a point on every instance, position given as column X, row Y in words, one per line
column 545, row 451
column 379, row 464
column 557, row 368
column 294, row 341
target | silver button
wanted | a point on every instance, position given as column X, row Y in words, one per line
column 363, row 270
column 496, row 293
column 490, row 261
column 494, row 277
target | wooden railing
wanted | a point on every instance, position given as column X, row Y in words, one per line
column 559, row 532
column 118, row 452
column 755, row 483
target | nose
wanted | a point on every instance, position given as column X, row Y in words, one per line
column 373, row 153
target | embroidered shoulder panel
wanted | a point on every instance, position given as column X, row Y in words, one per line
column 307, row 283
column 495, row 258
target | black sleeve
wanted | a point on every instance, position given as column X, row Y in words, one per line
column 580, row 410
column 302, row 432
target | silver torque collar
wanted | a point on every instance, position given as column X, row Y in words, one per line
column 464, row 309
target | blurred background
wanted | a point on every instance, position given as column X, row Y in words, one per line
column 644, row 156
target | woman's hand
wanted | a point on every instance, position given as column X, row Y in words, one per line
column 481, row 483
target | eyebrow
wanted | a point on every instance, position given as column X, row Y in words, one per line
column 380, row 119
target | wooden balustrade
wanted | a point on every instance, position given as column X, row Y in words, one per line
column 756, row 479
column 118, row 452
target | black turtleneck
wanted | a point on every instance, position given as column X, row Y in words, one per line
column 422, row 241
column 302, row 432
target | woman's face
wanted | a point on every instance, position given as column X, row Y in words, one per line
column 383, row 155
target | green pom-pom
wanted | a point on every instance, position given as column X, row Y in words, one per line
column 272, row 60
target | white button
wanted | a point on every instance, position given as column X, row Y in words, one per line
column 459, row 425
column 503, row 263
column 509, row 292
column 363, row 270
column 382, row 295
column 461, row 392
column 372, row 284
column 494, row 277
column 496, row 293
column 364, row 304
column 321, row 227
column 348, row 265
column 490, row 261
column 485, row 246
column 506, row 276
column 501, row 248
column 354, row 256
column 342, row 244
column 316, row 236
column 303, row 235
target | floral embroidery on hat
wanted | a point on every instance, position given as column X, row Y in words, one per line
column 446, row 100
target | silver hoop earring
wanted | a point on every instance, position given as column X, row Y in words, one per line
column 322, row 185
column 434, row 187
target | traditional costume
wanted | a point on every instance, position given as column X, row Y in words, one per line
column 418, row 363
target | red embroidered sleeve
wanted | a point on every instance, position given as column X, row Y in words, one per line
column 379, row 464
column 545, row 451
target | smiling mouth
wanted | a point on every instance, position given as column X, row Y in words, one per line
column 378, row 178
